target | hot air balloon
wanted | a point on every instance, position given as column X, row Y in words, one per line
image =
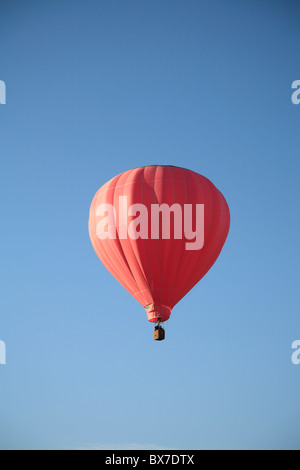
column 158, row 230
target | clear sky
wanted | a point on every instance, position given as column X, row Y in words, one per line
column 95, row 88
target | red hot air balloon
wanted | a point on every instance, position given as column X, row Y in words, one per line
column 158, row 230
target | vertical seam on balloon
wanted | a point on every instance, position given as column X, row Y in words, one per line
column 217, row 229
column 155, row 266
column 168, row 245
column 159, row 252
column 161, row 266
column 128, row 238
column 111, row 268
column 137, row 261
column 182, row 250
column 142, row 197
column 144, row 243
column 101, row 241
column 208, row 236
column 190, row 261
column 157, row 241
column 105, row 250
column 170, row 293
column 219, row 236
column 121, row 258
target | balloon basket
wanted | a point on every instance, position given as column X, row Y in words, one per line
column 159, row 333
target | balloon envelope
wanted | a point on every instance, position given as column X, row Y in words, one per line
column 158, row 230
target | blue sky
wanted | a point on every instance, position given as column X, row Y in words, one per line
column 95, row 88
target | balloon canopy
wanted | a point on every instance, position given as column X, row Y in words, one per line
column 158, row 230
